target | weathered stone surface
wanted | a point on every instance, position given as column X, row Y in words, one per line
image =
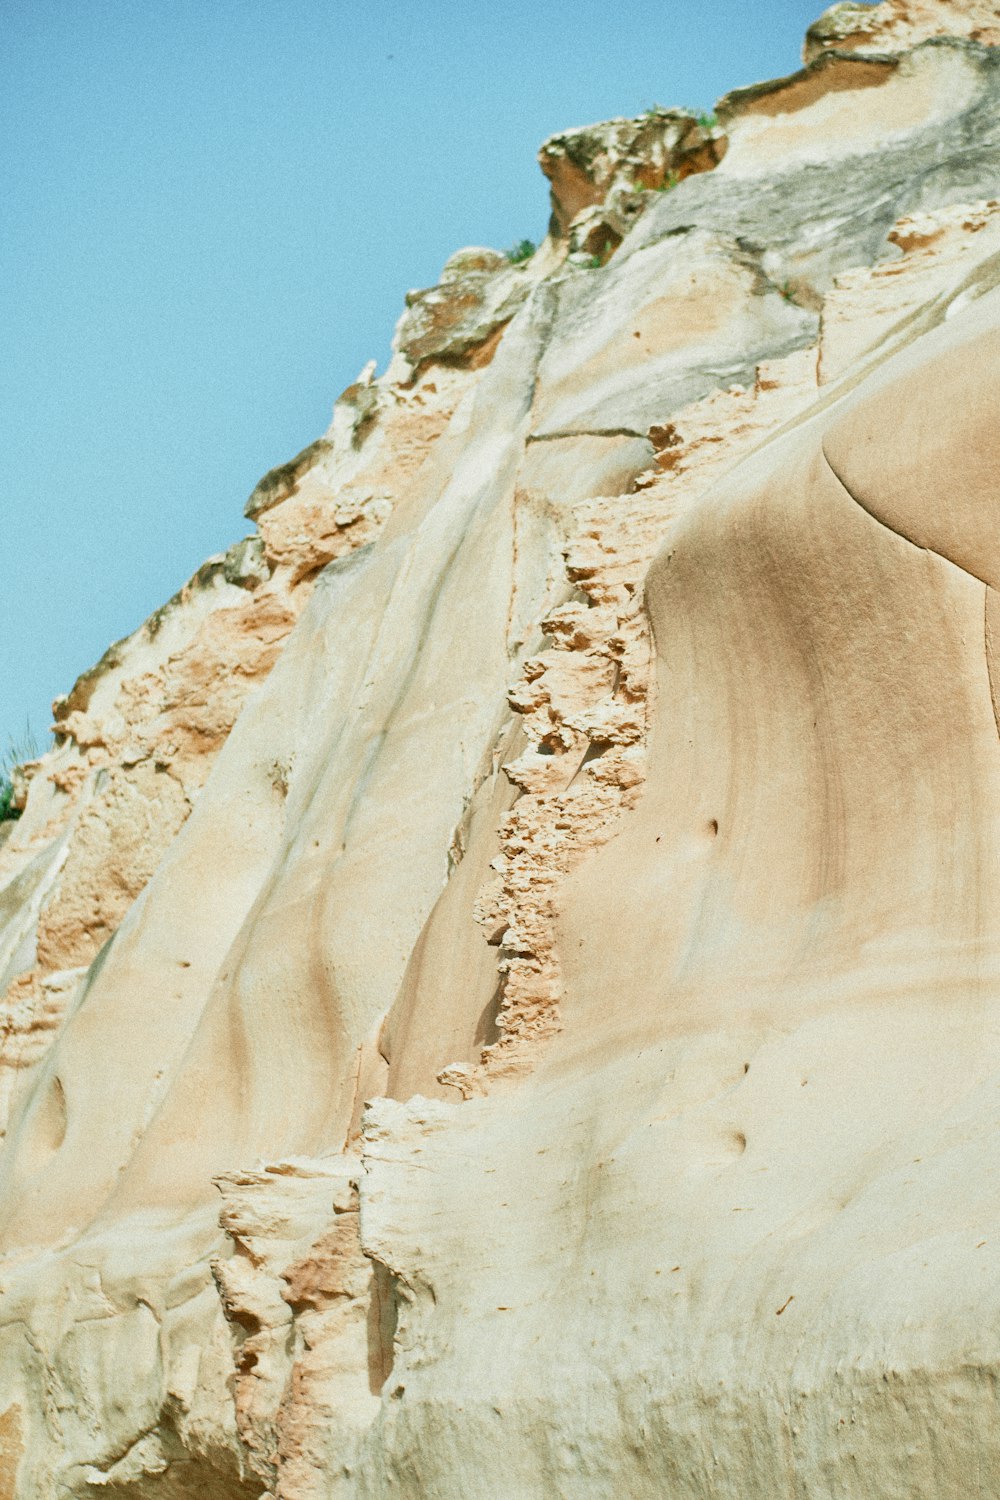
column 895, row 25
column 138, row 734
column 246, row 563
column 599, row 164
column 280, row 483
column 545, row 879
column 652, row 332
column 461, row 320
column 804, row 181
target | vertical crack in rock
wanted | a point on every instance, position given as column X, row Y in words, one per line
column 991, row 631
column 584, row 701
column 312, row 1319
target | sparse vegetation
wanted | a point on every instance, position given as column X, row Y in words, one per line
column 670, row 181
column 25, row 747
column 597, row 261
column 706, row 118
column 522, row 251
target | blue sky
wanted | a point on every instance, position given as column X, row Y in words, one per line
column 211, row 210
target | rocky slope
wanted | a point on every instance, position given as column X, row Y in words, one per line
column 500, row 972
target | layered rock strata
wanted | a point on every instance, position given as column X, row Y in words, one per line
column 500, row 972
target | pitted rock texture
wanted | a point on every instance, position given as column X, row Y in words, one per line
column 502, row 971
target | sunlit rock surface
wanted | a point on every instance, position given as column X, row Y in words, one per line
column 895, row 25
column 502, row 972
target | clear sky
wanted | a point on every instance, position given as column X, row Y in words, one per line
column 210, row 212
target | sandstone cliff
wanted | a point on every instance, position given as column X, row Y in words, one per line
column 501, row 974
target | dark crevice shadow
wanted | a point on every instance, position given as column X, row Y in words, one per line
column 991, row 633
column 383, row 1311
column 488, row 1026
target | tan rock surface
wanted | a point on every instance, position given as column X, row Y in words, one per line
column 138, row 734
column 591, row 762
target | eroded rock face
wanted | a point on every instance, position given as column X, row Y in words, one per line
column 460, row 321
column 600, row 175
column 895, row 25
column 543, row 1038
column 138, row 734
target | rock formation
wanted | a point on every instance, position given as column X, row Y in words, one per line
column 500, row 972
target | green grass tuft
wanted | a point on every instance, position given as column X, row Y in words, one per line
column 25, row 747
column 522, row 251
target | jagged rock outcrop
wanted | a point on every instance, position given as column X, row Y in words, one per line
column 895, row 25
column 501, row 971
column 600, row 175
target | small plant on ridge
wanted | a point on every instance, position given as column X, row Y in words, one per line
column 522, row 251
column 16, row 753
